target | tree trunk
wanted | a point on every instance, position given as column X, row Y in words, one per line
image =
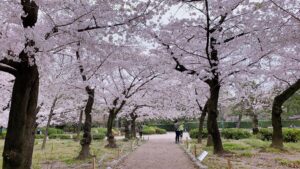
column 79, row 125
column 238, row 124
column 127, row 131
column 87, row 138
column 255, row 129
column 212, row 124
column 209, row 142
column 49, row 121
column 19, row 139
column 110, row 137
column 277, row 138
column 133, row 127
column 201, row 123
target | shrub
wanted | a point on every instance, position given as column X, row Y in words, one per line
column 149, row 130
column 194, row 133
column 52, row 131
column 98, row 136
column 102, row 130
column 265, row 134
column 60, row 136
column 291, row 135
column 160, row 131
column 235, row 134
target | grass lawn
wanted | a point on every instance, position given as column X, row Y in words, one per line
column 62, row 153
column 250, row 153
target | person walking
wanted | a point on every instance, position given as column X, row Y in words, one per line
column 140, row 129
column 177, row 132
column 1, row 130
column 181, row 128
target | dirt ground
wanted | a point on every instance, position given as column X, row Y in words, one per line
column 160, row 152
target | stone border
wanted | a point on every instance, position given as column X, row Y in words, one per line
column 196, row 162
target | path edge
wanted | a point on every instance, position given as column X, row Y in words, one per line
column 195, row 161
column 117, row 162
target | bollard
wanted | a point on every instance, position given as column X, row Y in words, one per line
column 195, row 151
column 187, row 142
column 94, row 162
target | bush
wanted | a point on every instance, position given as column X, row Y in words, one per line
column 60, row 136
column 160, row 131
column 265, row 134
column 98, row 136
column 194, row 133
column 52, row 131
column 291, row 135
column 235, row 134
column 149, row 130
column 102, row 130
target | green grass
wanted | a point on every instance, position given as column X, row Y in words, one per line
column 289, row 163
column 66, row 151
column 244, row 150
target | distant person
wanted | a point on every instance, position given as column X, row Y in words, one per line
column 140, row 129
column 39, row 132
column 181, row 128
column 1, row 130
column 177, row 132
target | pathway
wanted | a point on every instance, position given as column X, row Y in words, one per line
column 160, row 152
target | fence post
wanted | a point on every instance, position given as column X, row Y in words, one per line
column 195, row 150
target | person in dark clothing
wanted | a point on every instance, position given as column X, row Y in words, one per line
column 177, row 132
column 140, row 129
column 1, row 130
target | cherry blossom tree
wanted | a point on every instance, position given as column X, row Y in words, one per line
column 204, row 45
column 286, row 63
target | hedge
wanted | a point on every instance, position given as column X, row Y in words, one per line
column 52, row 131
column 236, row 134
column 289, row 134
column 147, row 130
column 60, row 136
column 99, row 136
column 244, row 124
column 195, row 132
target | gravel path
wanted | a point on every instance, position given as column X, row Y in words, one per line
column 160, row 152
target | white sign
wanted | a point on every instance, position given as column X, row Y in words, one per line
column 202, row 156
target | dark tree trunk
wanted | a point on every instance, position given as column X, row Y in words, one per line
column 79, row 125
column 127, row 130
column 110, row 137
column 238, row 124
column 133, row 122
column 87, row 138
column 209, row 142
column 49, row 121
column 201, row 123
column 19, row 139
column 212, row 124
column 277, row 138
column 255, row 129
column 133, row 127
